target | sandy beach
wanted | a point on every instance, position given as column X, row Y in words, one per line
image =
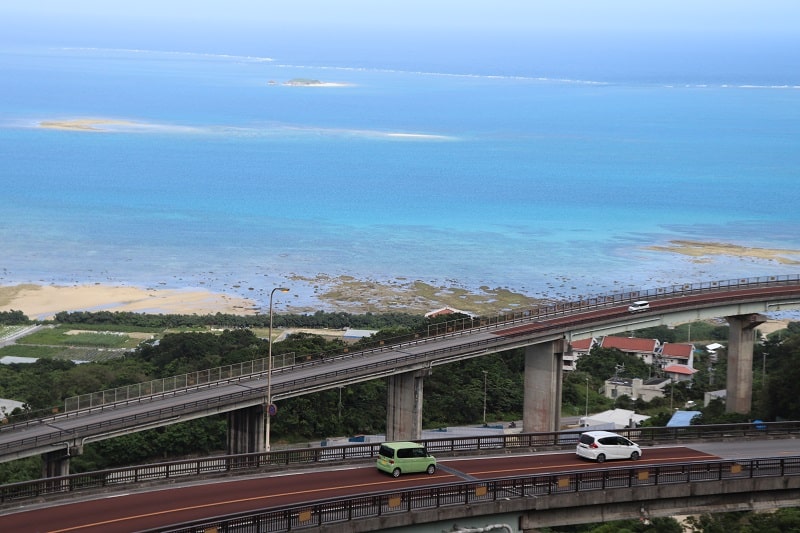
column 330, row 293
column 44, row 301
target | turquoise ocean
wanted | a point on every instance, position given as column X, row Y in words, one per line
column 547, row 179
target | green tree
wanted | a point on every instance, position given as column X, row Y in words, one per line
column 780, row 398
column 574, row 394
column 655, row 525
column 604, row 363
column 13, row 318
column 20, row 470
column 782, row 520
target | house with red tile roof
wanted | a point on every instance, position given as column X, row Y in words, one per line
column 645, row 349
column 578, row 349
column 679, row 373
column 673, row 353
column 583, row 345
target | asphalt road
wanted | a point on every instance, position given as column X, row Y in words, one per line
column 164, row 505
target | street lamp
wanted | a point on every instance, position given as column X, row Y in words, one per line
column 270, row 407
column 671, row 394
column 485, row 373
column 586, row 412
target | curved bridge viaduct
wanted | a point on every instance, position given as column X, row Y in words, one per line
column 545, row 333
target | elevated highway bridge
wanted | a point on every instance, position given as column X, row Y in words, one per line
column 544, row 332
column 525, row 480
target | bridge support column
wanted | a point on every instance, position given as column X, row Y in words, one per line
column 542, row 404
column 739, row 394
column 246, row 430
column 56, row 463
column 404, row 409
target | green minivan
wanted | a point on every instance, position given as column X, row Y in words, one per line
column 397, row 458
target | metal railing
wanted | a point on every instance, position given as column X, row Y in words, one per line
column 191, row 381
column 381, row 504
column 443, row 447
column 164, row 385
column 614, row 299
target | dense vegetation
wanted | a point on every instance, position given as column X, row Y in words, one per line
column 782, row 520
column 320, row 319
column 13, row 318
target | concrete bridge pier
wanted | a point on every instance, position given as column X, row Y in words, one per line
column 404, row 409
column 739, row 393
column 543, row 369
column 56, row 463
column 246, row 430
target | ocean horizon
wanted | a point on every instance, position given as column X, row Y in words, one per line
column 212, row 170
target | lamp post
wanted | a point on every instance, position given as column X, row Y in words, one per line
column 485, row 373
column 671, row 394
column 270, row 407
column 586, row 412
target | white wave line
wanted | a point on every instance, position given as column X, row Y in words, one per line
column 171, row 53
column 444, row 74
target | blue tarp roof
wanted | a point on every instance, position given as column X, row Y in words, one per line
column 682, row 418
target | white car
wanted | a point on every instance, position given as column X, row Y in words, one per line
column 641, row 305
column 602, row 445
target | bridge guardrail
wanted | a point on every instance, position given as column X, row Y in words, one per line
column 345, row 509
column 298, row 457
column 164, row 385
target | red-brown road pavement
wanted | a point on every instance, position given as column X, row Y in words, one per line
column 119, row 511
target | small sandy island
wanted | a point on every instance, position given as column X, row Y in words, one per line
column 44, row 301
column 703, row 250
column 85, row 124
column 305, row 82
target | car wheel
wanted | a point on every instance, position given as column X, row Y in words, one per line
column 601, row 458
column 431, row 469
column 635, row 456
column 396, row 472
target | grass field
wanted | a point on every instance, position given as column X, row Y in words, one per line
column 69, row 343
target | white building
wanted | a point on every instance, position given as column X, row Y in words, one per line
column 613, row 419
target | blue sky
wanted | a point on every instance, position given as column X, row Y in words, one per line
column 724, row 36
column 645, row 15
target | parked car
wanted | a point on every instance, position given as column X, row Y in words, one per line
column 602, row 445
column 397, row 458
column 641, row 305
